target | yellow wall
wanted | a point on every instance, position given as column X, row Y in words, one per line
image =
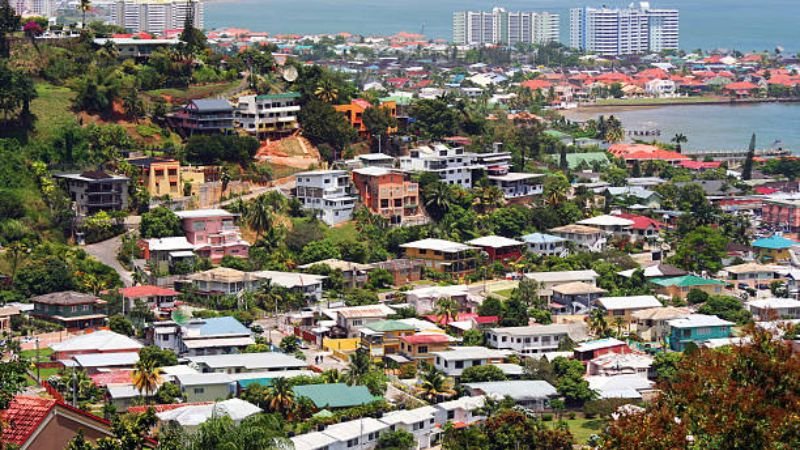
column 342, row 345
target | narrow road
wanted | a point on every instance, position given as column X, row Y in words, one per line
column 106, row 253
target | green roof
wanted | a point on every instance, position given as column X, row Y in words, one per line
column 774, row 242
column 281, row 96
column 335, row 395
column 575, row 159
column 400, row 100
column 686, row 281
column 556, row 134
column 390, row 325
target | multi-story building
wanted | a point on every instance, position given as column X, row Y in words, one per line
column 213, row 233
column 160, row 176
column 72, row 310
column 328, row 193
column 697, row 328
column 517, row 187
column 95, row 191
column 39, row 8
column 503, row 27
column 443, row 256
column 269, row 114
column 382, row 339
column 137, row 49
column 533, row 339
column 419, row 347
column 624, row 31
column 453, row 362
column 452, row 164
column 389, row 194
column 204, row 116
column 156, row 16
column 354, row 113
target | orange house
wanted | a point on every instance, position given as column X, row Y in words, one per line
column 388, row 193
column 354, row 113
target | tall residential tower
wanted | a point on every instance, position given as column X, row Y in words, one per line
column 155, row 16
column 613, row 32
column 502, row 27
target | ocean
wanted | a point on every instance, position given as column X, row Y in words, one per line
column 733, row 24
column 712, row 127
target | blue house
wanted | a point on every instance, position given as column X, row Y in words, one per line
column 774, row 248
column 696, row 328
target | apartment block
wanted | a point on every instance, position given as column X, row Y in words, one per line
column 624, row 31
column 95, row 191
column 213, row 233
column 268, row 115
column 155, row 16
column 390, row 194
column 499, row 26
column 329, row 193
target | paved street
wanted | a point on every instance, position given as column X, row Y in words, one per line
column 106, row 253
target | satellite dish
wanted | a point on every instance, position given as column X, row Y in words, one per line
column 289, row 73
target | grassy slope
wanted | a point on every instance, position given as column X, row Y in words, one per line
column 52, row 109
column 582, row 429
column 194, row 92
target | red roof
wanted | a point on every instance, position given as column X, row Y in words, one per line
column 426, row 339
column 621, row 149
column 653, row 73
column 765, row 190
column 661, row 155
column 147, row 291
column 141, row 409
column 700, row 165
column 441, row 320
column 535, row 85
column 741, row 86
column 114, row 377
column 486, row 319
column 641, row 222
column 23, row 417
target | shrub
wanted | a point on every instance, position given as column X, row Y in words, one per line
column 547, row 417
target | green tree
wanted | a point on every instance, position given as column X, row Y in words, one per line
column 665, row 366
column 16, row 88
column 492, row 306
column 159, row 357
column 280, row 397
column 701, row 250
column 380, row 279
column 478, row 374
column 146, row 378
column 322, row 124
column 193, row 39
column 119, row 324
column 396, row 440
column 378, row 121
column 434, row 385
column 358, row 368
column 289, row 345
column 160, row 222
column 435, row 119
column 571, row 383
column 726, row 308
column 9, row 23
column 169, row 393
column 679, row 139
column 473, row 338
column 446, row 309
column 259, row 215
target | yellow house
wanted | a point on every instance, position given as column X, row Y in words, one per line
column 681, row 286
column 382, row 338
column 418, row 347
column 624, row 307
column 160, row 176
column 773, row 249
column 443, row 256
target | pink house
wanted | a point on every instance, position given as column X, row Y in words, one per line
column 213, row 233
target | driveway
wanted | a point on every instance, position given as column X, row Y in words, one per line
column 106, row 253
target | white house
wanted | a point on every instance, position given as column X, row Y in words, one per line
column 588, row 238
column 660, row 88
column 615, row 225
column 329, row 193
column 516, row 185
column 247, row 362
column 535, row 338
column 420, row 422
column 452, row 164
column 532, row 394
column 774, row 308
column 546, row 244
column 355, row 434
column 464, row 410
column 308, row 285
column 548, row 280
column 621, row 386
column 453, row 362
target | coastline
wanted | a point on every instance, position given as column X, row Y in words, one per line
column 650, row 103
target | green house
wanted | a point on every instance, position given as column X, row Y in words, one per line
column 70, row 309
column 335, row 395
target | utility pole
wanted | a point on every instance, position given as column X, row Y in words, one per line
column 38, row 370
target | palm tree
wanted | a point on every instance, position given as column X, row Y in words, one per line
column 332, row 376
column 359, row 367
column 434, row 385
column 327, row 91
column 259, row 215
column 488, row 198
column 618, row 322
column 280, row 397
column 678, row 139
column 597, row 322
column 447, row 310
column 438, row 199
column 84, row 6
column 146, row 377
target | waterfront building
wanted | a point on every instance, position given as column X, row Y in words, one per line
column 95, row 191
column 268, row 115
column 624, row 31
column 328, row 193
column 156, row 16
column 499, row 26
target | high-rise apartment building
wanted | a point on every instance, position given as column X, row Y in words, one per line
column 41, row 8
column 502, row 27
column 155, row 16
column 614, row 31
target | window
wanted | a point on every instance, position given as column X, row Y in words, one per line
column 372, row 436
column 422, row 349
column 476, row 362
column 358, row 322
column 352, row 443
column 451, row 415
column 199, row 390
column 459, row 364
